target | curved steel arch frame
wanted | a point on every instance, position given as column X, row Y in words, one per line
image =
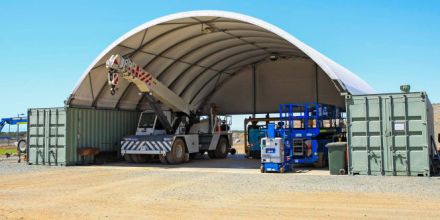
column 205, row 68
column 182, row 74
column 263, row 56
column 230, row 67
column 222, row 60
column 172, row 46
column 194, row 50
column 161, row 35
column 354, row 84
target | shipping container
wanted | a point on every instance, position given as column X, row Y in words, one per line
column 56, row 134
column 390, row 134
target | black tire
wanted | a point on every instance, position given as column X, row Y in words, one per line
column 232, row 151
column 139, row 158
column 211, row 154
column 292, row 167
column 128, row 158
column 222, row 149
column 135, row 158
column 163, row 159
column 21, row 146
column 192, row 155
column 178, row 152
column 282, row 170
column 186, row 159
column 255, row 154
column 341, row 172
column 149, row 158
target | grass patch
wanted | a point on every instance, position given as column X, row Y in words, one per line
column 10, row 150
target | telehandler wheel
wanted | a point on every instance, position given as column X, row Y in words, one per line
column 128, row 158
column 163, row 159
column 222, row 149
column 186, row 158
column 261, row 169
column 211, row 154
column 178, row 152
column 139, row 158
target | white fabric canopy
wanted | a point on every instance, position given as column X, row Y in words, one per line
column 241, row 63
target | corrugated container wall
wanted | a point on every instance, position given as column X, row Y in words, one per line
column 390, row 134
column 55, row 134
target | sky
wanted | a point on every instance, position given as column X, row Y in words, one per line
column 47, row 45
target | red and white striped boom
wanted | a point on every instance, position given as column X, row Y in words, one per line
column 119, row 66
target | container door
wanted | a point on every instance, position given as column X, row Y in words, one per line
column 373, row 133
column 410, row 136
column 388, row 136
column 404, row 147
column 47, row 136
column 36, row 136
column 365, row 136
column 46, row 143
column 55, row 136
column 38, row 129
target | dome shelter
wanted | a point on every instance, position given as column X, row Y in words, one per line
column 241, row 63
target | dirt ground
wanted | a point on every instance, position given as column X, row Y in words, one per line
column 210, row 189
column 204, row 189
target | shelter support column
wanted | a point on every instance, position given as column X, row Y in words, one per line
column 254, row 90
column 316, row 83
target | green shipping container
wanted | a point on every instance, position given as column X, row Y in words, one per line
column 56, row 134
column 390, row 134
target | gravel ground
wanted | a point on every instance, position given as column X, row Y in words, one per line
column 420, row 187
column 414, row 187
column 11, row 166
column 214, row 189
column 237, row 169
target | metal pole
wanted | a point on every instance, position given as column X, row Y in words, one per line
column 245, row 137
column 9, row 134
column 254, row 79
column 17, row 138
column 18, row 129
column 316, row 83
